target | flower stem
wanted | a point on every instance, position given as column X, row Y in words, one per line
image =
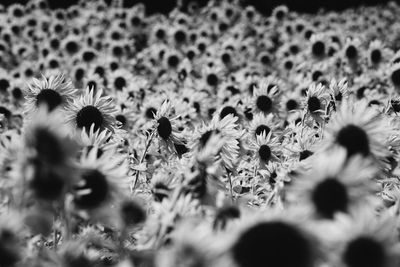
column 148, row 143
column 230, row 184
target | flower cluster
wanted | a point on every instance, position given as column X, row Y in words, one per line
column 213, row 136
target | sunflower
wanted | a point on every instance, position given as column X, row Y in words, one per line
column 92, row 108
column 266, row 97
column 301, row 142
column 101, row 140
column 94, row 81
column 102, row 182
column 166, row 128
column 280, row 12
column 163, row 182
column 71, row 46
column 256, row 239
column 315, row 103
column 335, row 186
column 393, row 104
column 378, row 53
column 47, row 156
column 126, row 110
column 229, row 136
column 148, row 110
column 55, row 91
column 121, row 79
column 158, row 32
column 362, row 239
column 339, row 90
column 290, row 103
column 351, row 51
column 318, row 48
column 359, row 129
column 263, row 124
column 266, row 148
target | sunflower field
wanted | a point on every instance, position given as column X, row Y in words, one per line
column 211, row 137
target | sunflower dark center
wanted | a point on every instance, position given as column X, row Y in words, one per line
column 288, row 64
column 318, row 48
column 89, row 115
column 316, row 75
column 196, row 106
column 364, row 251
column 205, row 137
column 121, row 118
column 291, row 104
column 4, row 84
column 226, row 58
column 72, row 47
column 132, row 213
column 351, row 52
column 280, row 14
column 262, row 128
column 251, row 87
column 330, row 196
column 305, row 154
column 164, row 127
column 160, row 34
column 354, row 139
column 173, row 61
column 226, row 111
column 100, row 71
column 97, row 187
column 248, row 114
column 264, row 103
column 181, row 149
column 79, row 74
column 88, row 56
column 150, row 113
column 272, row 241
column 119, row 83
column 212, row 79
column 7, row 113
column 265, row 153
column 314, row 104
column 16, row 93
column 339, row 96
column 376, row 56
column 49, row 97
column 180, row 36
column 396, row 77
column 395, row 105
column 265, row 60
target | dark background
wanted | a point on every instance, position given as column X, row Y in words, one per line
column 265, row 6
